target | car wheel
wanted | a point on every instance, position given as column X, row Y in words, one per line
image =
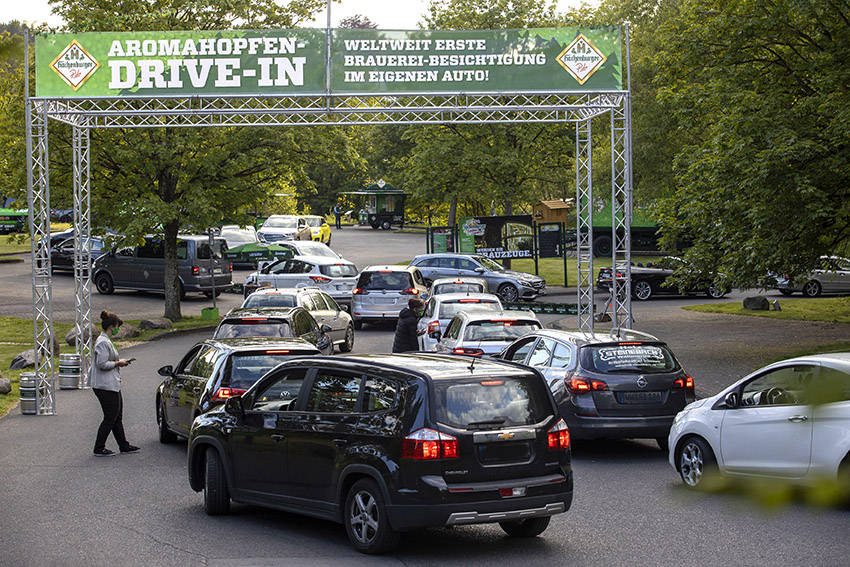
column 662, row 443
column 349, row 340
column 210, row 294
column 385, row 225
column 366, row 519
column 844, row 480
column 786, row 292
column 216, row 495
column 182, row 292
column 531, row 527
column 508, row 293
column 165, row 434
column 715, row 291
column 358, row 325
column 695, row 461
column 602, row 246
column 104, row 284
column 642, row 290
column 811, row 289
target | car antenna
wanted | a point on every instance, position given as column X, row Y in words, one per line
column 474, row 358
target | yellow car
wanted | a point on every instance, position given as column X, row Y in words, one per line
column 320, row 229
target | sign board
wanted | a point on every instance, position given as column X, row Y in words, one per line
column 550, row 240
column 497, row 237
column 293, row 62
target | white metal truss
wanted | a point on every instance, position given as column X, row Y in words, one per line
column 82, row 250
column 621, row 219
column 317, row 109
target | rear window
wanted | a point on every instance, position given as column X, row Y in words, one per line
column 248, row 328
column 270, row 300
column 385, row 280
column 498, row 330
column 449, row 310
column 458, row 288
column 244, row 369
column 624, row 358
column 338, row 270
column 491, row 403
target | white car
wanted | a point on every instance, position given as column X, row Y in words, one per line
column 324, row 309
column 441, row 308
column 284, row 227
column 831, row 276
column 484, row 332
column 237, row 236
column 334, row 276
column 789, row 420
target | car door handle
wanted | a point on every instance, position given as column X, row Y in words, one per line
column 340, row 442
column 798, row 418
column 278, row 438
column 198, row 389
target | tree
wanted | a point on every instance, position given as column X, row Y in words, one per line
column 165, row 180
column 762, row 90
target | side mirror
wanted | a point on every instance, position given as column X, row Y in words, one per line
column 166, row 371
column 434, row 335
column 479, row 270
column 233, row 406
column 731, row 400
column 326, row 328
column 343, row 307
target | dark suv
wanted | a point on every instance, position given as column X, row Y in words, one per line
column 281, row 322
column 389, row 443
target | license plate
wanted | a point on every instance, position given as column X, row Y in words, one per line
column 639, row 397
column 344, row 287
column 383, row 301
column 217, row 270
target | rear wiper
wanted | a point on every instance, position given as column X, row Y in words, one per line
column 481, row 424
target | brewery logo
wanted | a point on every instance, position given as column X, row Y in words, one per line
column 581, row 59
column 75, row 65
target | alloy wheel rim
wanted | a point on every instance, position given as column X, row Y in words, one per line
column 642, row 290
column 509, row 294
column 691, row 464
column 349, row 337
column 811, row 288
column 364, row 517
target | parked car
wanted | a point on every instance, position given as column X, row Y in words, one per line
column 284, row 227
column 440, row 309
column 279, row 322
column 212, row 371
column 60, row 236
column 62, row 256
column 389, row 443
column 484, row 332
column 143, row 267
column 335, row 276
column 510, row 285
column 319, row 304
column 459, row 284
column 320, row 230
column 651, row 280
column 382, row 292
column 831, row 276
column 236, row 235
column 789, row 420
column 625, row 384
column 300, row 248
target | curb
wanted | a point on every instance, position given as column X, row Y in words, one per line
column 180, row 332
column 10, row 260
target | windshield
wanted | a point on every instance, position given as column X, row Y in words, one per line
column 384, row 280
column 489, row 264
column 315, row 249
column 243, row 369
column 498, row 330
column 449, row 310
column 626, row 358
column 458, row 288
column 270, row 300
column 491, row 403
column 249, row 328
column 281, row 223
column 314, row 222
column 238, row 237
column 339, row 270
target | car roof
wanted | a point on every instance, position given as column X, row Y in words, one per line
column 270, row 290
column 387, row 268
column 459, row 279
column 840, row 358
column 242, row 312
column 322, row 260
column 243, row 344
column 485, row 315
column 580, row 337
column 460, row 296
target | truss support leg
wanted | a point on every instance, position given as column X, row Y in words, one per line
column 38, row 200
column 621, row 213
column 584, row 224
column 82, row 251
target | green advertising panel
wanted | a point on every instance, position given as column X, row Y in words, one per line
column 287, row 62
column 549, row 60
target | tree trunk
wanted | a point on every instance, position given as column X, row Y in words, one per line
column 453, row 212
column 509, row 210
column 172, row 281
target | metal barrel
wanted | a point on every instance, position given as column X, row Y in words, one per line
column 69, row 371
column 29, row 383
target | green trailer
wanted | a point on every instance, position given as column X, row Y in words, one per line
column 383, row 206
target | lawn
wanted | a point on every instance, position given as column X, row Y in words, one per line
column 20, row 243
column 826, row 309
column 17, row 336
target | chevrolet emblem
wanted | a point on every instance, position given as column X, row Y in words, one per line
column 506, row 436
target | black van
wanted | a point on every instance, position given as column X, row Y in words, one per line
column 143, row 267
column 390, row 443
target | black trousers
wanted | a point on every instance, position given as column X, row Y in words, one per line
column 112, row 405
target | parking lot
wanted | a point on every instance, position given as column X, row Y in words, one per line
column 61, row 506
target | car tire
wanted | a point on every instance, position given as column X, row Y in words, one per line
column 663, row 443
column 182, row 291
column 786, row 292
column 642, row 290
column 532, row 527
column 695, row 462
column 209, row 294
column 844, row 480
column 811, row 288
column 508, row 293
column 216, row 495
column 366, row 521
column 165, row 434
column 104, row 285
column 348, row 343
column 385, row 225
column 715, row 291
column 358, row 325
column 602, row 246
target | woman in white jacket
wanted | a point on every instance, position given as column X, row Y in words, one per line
column 105, row 382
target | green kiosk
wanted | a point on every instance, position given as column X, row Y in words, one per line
column 384, row 205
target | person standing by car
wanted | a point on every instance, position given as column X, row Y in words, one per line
column 405, row 339
column 106, row 383
column 337, row 215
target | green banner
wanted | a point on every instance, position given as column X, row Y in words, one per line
column 285, row 62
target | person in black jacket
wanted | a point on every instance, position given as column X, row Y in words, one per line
column 405, row 330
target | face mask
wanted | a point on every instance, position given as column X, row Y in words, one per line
column 115, row 330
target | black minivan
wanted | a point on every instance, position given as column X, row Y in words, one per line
column 390, row 443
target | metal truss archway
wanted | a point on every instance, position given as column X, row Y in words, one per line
column 83, row 115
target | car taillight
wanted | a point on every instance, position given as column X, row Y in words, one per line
column 224, row 393
column 580, row 385
column 358, row 291
column 195, row 270
column 410, row 291
column 469, row 351
column 320, row 279
column 559, row 436
column 427, row 444
column 433, row 326
column 686, row 382
column 470, row 301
